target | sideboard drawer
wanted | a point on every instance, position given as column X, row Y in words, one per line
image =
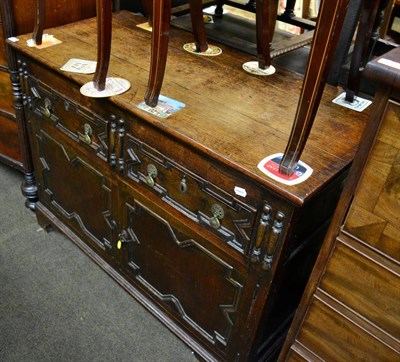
column 196, row 198
column 89, row 130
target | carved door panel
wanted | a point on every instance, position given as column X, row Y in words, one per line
column 172, row 265
column 74, row 189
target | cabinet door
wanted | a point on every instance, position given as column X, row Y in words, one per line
column 74, row 188
column 174, row 266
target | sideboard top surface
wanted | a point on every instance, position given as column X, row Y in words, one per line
column 232, row 116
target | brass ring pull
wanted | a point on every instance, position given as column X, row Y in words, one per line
column 47, row 108
column 151, row 175
column 218, row 214
column 86, row 137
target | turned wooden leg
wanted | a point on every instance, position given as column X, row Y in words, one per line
column 39, row 22
column 266, row 11
column 104, row 29
column 360, row 52
column 219, row 8
column 159, row 50
column 330, row 21
column 289, row 9
column 199, row 32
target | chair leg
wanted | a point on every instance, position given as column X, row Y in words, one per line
column 199, row 32
column 219, row 8
column 39, row 21
column 266, row 11
column 330, row 21
column 148, row 10
column 104, row 30
column 159, row 50
column 360, row 53
column 289, row 9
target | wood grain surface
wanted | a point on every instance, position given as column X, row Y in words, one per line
column 375, row 213
column 235, row 117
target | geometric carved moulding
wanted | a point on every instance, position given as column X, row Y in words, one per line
column 79, row 193
column 179, row 273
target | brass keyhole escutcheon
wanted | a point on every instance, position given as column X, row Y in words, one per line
column 218, row 214
column 47, row 108
column 183, row 187
column 151, row 174
column 87, row 136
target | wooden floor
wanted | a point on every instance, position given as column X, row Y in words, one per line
column 230, row 115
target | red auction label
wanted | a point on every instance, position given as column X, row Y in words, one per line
column 270, row 166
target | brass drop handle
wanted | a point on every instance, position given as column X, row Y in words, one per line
column 151, row 174
column 123, row 239
column 218, row 214
column 87, row 136
column 47, row 108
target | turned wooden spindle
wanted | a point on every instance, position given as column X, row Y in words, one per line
column 329, row 24
column 37, row 34
column 104, row 31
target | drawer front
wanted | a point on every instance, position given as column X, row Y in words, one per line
column 75, row 190
column 196, row 198
column 365, row 285
column 332, row 337
column 374, row 215
column 172, row 264
column 87, row 129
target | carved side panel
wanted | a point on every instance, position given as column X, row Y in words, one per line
column 192, row 283
column 78, row 193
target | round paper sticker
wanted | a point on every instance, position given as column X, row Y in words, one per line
column 253, row 68
column 114, row 86
column 212, row 50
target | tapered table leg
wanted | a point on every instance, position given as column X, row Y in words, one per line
column 369, row 12
column 104, row 30
column 148, row 10
column 196, row 13
column 265, row 24
column 159, row 50
column 330, row 21
column 39, row 21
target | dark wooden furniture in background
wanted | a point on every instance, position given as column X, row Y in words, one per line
column 18, row 18
column 9, row 144
column 351, row 306
column 176, row 210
